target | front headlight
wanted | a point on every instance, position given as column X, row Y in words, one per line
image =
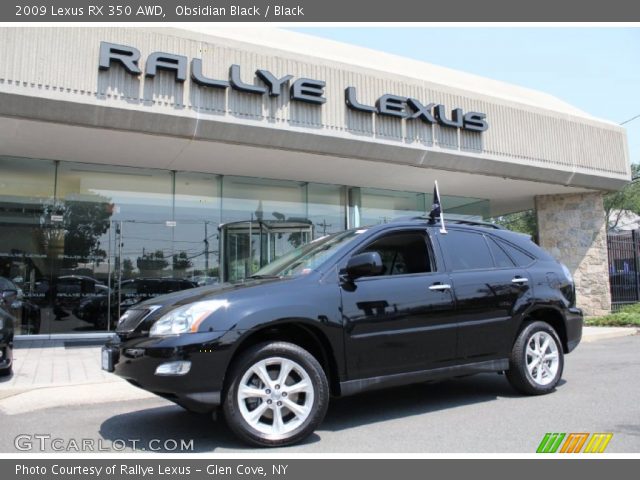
column 1, row 323
column 186, row 318
column 567, row 273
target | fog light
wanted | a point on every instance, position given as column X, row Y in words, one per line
column 173, row 368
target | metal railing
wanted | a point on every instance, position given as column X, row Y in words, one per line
column 624, row 276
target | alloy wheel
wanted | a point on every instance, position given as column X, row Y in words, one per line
column 542, row 358
column 275, row 396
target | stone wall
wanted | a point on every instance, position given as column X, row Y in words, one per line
column 572, row 228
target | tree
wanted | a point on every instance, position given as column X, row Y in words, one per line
column 523, row 222
column 181, row 261
column 627, row 199
column 127, row 268
column 150, row 264
column 77, row 228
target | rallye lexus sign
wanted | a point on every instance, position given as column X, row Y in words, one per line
column 300, row 90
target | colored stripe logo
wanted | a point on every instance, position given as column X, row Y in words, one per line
column 598, row 442
column 573, row 443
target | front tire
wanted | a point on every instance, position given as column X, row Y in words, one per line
column 537, row 360
column 277, row 395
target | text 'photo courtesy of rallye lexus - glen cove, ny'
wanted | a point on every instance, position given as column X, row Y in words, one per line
column 408, row 301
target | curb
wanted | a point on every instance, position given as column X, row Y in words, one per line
column 593, row 334
column 66, row 395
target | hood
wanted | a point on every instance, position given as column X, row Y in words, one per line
column 207, row 292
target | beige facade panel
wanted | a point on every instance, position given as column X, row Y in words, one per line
column 61, row 64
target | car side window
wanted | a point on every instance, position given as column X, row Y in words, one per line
column 467, row 250
column 519, row 257
column 402, row 253
column 499, row 255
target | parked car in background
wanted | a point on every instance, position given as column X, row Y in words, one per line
column 203, row 280
column 131, row 292
column 368, row 308
column 26, row 314
column 7, row 322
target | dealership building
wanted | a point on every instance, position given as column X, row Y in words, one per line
column 130, row 156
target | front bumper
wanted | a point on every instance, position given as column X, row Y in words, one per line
column 574, row 319
column 136, row 361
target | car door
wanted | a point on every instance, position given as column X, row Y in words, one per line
column 401, row 320
column 488, row 289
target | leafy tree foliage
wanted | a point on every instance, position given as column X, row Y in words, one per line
column 523, row 222
column 78, row 232
column 181, row 261
column 152, row 262
column 626, row 199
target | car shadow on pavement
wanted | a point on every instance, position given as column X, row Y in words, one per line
column 416, row 399
column 156, row 429
column 162, row 427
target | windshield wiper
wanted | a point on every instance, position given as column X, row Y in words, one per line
column 260, row 277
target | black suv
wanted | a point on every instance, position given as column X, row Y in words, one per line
column 367, row 308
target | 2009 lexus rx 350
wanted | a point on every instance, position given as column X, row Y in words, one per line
column 363, row 309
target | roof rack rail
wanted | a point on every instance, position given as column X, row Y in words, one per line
column 459, row 221
column 477, row 223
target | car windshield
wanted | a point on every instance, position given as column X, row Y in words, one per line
column 308, row 257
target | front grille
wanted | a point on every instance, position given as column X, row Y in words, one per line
column 131, row 319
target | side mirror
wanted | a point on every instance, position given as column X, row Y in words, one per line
column 364, row 264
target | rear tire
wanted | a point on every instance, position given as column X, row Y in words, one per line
column 277, row 395
column 537, row 360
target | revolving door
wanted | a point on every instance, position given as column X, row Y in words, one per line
column 247, row 246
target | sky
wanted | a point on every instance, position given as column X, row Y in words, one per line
column 595, row 69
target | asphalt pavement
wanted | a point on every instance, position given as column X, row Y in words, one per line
column 600, row 392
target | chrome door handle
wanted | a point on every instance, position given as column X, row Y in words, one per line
column 440, row 286
column 519, row 280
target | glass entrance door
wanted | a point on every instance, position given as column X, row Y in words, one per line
column 247, row 246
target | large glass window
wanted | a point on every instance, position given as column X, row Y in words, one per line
column 265, row 219
column 382, row 206
column 84, row 242
column 116, row 224
column 28, row 233
column 197, row 215
column 371, row 206
column 326, row 208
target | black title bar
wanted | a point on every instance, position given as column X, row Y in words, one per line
column 319, row 11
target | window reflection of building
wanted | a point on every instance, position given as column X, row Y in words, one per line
column 79, row 240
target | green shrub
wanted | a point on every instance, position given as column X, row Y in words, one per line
column 625, row 317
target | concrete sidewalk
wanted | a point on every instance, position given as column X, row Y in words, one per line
column 49, row 373
column 54, row 372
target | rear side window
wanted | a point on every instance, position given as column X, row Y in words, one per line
column 467, row 250
column 501, row 258
column 522, row 259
